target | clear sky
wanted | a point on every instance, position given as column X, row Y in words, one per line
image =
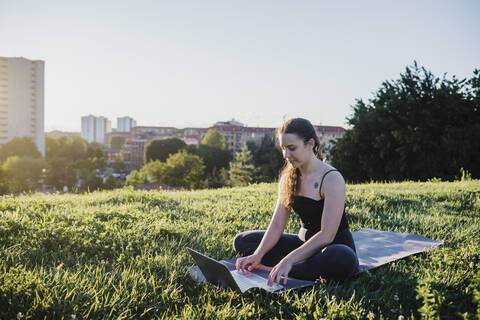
column 192, row 63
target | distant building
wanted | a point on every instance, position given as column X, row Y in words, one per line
column 109, row 135
column 95, row 128
column 152, row 132
column 22, row 100
column 60, row 134
column 125, row 124
column 188, row 135
column 327, row 134
column 112, row 156
column 236, row 134
column 132, row 153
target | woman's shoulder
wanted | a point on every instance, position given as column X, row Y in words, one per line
column 332, row 179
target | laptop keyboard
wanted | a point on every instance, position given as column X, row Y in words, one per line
column 250, row 280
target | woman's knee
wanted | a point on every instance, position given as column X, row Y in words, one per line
column 342, row 260
column 238, row 242
column 336, row 262
column 244, row 241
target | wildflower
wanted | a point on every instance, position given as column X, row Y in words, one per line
column 370, row 315
column 470, row 265
column 395, row 297
column 400, row 317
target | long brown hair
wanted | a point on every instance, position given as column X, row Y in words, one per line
column 289, row 175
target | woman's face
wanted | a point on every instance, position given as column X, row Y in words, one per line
column 295, row 150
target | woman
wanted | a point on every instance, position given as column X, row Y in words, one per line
column 324, row 246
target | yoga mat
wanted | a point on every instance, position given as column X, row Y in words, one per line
column 374, row 249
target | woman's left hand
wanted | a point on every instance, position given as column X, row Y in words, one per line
column 279, row 272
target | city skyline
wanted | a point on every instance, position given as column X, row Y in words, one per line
column 231, row 120
column 191, row 64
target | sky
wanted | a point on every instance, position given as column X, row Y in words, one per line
column 193, row 63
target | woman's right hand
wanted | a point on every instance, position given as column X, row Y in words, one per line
column 248, row 263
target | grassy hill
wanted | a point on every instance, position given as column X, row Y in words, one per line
column 120, row 254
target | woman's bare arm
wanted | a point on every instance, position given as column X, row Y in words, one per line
column 270, row 238
column 275, row 229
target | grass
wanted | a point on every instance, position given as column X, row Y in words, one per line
column 121, row 255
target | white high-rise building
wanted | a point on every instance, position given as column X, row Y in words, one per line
column 95, row 128
column 125, row 124
column 22, row 100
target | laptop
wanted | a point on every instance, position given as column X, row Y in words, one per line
column 218, row 274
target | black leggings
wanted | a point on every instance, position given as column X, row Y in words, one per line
column 337, row 261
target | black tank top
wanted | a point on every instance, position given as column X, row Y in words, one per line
column 311, row 210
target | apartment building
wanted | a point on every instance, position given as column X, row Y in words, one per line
column 125, row 124
column 22, row 100
column 94, row 129
column 236, row 134
column 153, row 131
column 132, row 153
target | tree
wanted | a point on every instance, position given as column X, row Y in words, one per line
column 417, row 127
column 241, row 169
column 52, row 147
column 22, row 147
column 89, row 180
column 94, row 150
column 65, row 147
column 72, row 158
column 217, row 178
column 213, row 157
column 267, row 159
column 118, row 166
column 155, row 170
column 160, row 149
column 111, row 183
column 60, row 173
column 80, row 149
column 23, row 173
column 181, row 169
column 3, row 182
column 184, row 170
column 214, row 139
column 116, row 142
column 136, row 178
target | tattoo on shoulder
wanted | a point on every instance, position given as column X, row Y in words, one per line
column 316, row 185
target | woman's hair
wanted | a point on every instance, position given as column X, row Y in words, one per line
column 289, row 175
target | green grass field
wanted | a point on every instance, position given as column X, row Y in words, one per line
column 121, row 255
